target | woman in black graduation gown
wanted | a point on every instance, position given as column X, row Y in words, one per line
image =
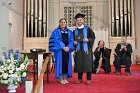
column 102, row 58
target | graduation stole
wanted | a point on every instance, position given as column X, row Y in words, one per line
column 85, row 45
column 125, row 44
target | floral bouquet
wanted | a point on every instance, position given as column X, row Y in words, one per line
column 12, row 68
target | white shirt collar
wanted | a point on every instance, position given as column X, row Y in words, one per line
column 80, row 27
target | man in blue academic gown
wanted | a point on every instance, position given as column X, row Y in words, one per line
column 84, row 40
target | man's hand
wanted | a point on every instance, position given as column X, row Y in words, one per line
column 125, row 48
column 75, row 42
column 85, row 40
column 122, row 47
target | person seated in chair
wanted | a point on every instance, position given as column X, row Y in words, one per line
column 123, row 52
column 102, row 58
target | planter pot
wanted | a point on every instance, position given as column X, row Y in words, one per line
column 12, row 88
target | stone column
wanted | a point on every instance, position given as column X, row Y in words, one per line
column 4, row 24
column 16, row 17
column 53, row 16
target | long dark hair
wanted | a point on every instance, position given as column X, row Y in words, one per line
column 61, row 20
column 100, row 41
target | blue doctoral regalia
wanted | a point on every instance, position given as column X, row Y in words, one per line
column 56, row 45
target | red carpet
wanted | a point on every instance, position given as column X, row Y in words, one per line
column 101, row 83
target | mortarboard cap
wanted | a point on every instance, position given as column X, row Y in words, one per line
column 79, row 15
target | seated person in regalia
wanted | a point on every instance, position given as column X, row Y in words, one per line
column 123, row 52
column 102, row 58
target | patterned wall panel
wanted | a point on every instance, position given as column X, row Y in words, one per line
column 71, row 11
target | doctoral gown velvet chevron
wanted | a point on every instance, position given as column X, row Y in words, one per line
column 56, row 44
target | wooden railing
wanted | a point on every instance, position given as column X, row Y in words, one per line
column 38, row 84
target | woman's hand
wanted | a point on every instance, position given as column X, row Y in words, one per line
column 98, row 49
column 66, row 49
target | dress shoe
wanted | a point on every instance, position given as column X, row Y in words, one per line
column 88, row 82
column 78, row 82
column 128, row 74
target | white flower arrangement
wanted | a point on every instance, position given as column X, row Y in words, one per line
column 11, row 66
